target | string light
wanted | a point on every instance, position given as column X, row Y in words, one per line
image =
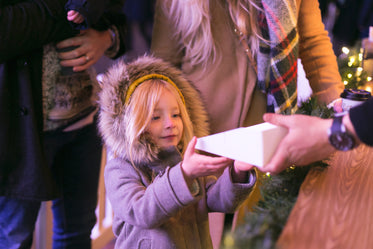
column 345, row 50
column 350, row 67
column 359, row 70
column 352, row 61
column 360, row 56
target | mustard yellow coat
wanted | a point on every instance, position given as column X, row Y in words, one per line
column 228, row 85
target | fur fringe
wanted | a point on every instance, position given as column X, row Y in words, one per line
column 114, row 86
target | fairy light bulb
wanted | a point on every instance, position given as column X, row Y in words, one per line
column 345, row 50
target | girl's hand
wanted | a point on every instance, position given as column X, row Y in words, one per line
column 196, row 165
column 242, row 166
column 239, row 172
column 91, row 45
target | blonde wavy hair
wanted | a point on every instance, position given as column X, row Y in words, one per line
column 140, row 110
column 193, row 25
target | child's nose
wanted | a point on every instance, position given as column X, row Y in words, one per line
column 170, row 123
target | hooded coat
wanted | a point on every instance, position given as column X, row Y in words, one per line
column 161, row 211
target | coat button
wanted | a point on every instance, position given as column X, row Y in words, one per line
column 24, row 111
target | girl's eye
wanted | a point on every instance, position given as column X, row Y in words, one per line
column 155, row 117
column 178, row 115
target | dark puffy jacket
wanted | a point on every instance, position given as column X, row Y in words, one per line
column 25, row 26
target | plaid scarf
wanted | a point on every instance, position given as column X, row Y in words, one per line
column 277, row 59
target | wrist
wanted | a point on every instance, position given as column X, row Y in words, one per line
column 239, row 176
column 350, row 128
column 112, row 37
column 339, row 136
column 190, row 181
column 188, row 176
column 114, row 42
column 325, row 124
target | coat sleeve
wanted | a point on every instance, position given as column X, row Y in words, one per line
column 316, row 53
column 131, row 198
column 114, row 16
column 28, row 25
column 91, row 10
column 362, row 119
column 225, row 196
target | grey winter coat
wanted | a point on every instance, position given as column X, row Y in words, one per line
column 160, row 211
column 164, row 213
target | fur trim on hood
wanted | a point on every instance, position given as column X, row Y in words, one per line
column 112, row 95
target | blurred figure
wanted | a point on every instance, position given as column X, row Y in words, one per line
column 352, row 23
column 41, row 158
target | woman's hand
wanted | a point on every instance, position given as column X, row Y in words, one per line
column 196, row 165
column 91, row 45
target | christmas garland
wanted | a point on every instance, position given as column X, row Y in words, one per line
column 263, row 226
column 350, row 67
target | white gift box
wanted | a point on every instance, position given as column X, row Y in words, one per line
column 254, row 144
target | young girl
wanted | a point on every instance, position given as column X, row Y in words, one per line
column 160, row 189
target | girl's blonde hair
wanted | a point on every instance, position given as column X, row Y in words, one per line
column 140, row 111
column 193, row 26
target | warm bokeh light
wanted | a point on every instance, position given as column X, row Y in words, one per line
column 345, row 50
column 352, row 61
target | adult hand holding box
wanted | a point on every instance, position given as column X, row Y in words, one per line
column 254, row 144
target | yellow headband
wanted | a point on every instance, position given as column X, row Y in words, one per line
column 142, row 79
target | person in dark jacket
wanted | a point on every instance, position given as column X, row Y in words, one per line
column 95, row 14
column 352, row 23
column 60, row 165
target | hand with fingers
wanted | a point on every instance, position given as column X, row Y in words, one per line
column 74, row 16
column 196, row 165
column 91, row 46
column 306, row 141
